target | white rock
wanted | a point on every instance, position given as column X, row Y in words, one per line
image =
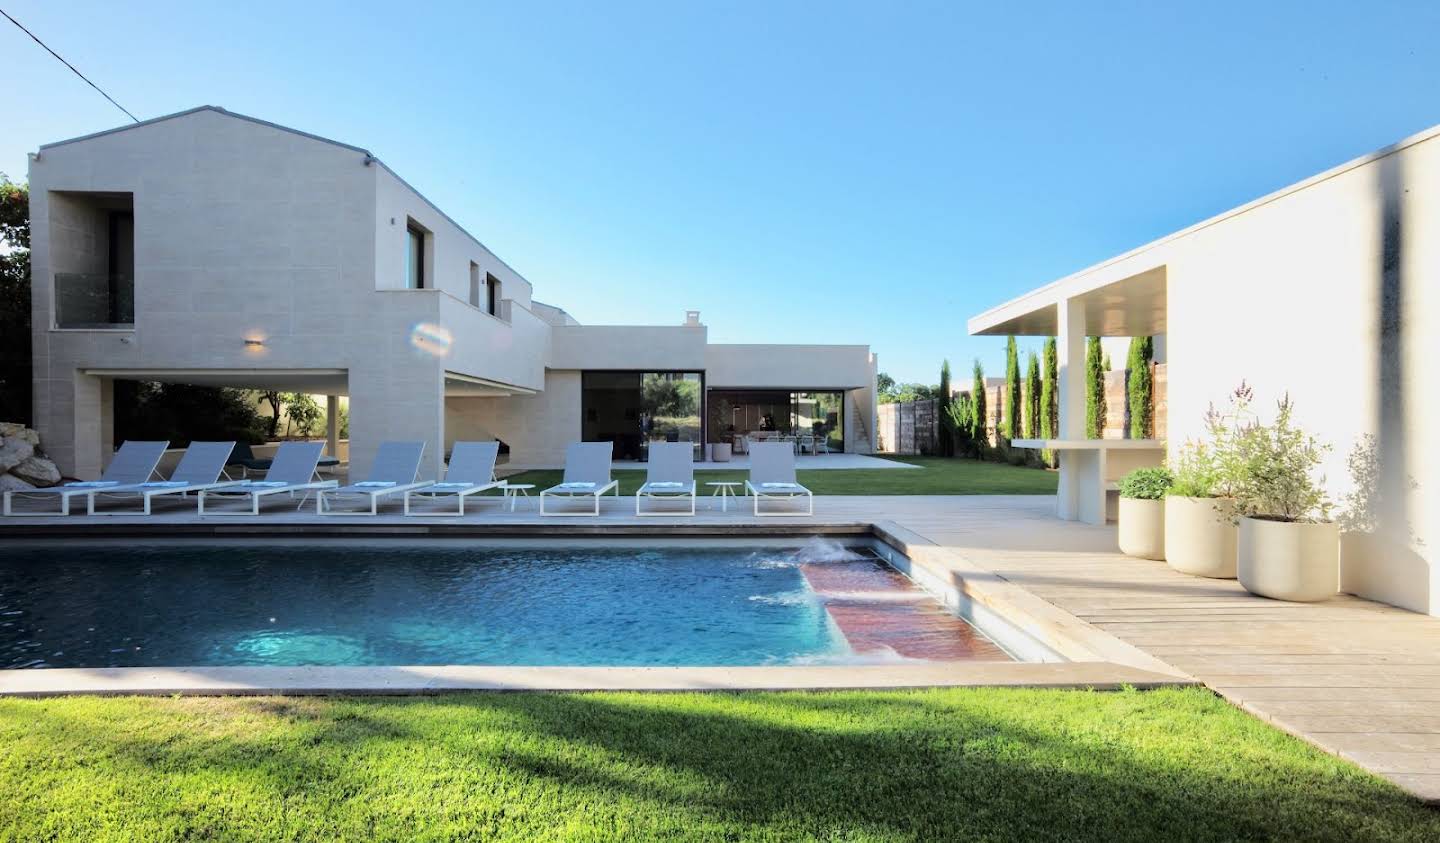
column 13, row 484
column 19, row 431
column 14, row 451
column 38, row 471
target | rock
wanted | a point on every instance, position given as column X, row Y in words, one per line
column 38, row 471
column 13, row 484
column 19, row 431
column 13, row 451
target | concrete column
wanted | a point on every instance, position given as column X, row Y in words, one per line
column 89, row 426
column 397, row 399
column 1070, row 348
column 332, row 425
column 1081, row 492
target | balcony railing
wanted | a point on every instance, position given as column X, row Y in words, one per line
column 94, row 300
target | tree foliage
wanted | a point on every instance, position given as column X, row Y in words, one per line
column 944, row 402
column 301, row 413
column 978, row 430
column 884, row 388
column 1032, row 396
column 1094, row 389
column 1139, row 385
column 1011, row 423
column 960, row 415
column 181, row 414
column 15, row 361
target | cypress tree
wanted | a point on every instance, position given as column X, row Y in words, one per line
column 1012, row 390
column 947, row 440
column 1050, row 392
column 1032, row 397
column 977, row 408
column 1139, row 384
column 1094, row 389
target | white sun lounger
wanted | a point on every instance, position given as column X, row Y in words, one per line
column 199, row 469
column 772, row 477
column 290, row 471
column 587, row 474
column 471, row 471
column 396, row 466
column 669, row 476
column 134, row 463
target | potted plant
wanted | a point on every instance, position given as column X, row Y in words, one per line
column 1200, row 531
column 1288, row 547
column 1142, row 512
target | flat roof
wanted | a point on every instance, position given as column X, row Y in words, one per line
column 1033, row 313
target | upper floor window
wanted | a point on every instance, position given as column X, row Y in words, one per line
column 414, row 257
column 492, row 295
column 474, row 284
column 92, row 253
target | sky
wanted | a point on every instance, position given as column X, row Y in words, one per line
column 799, row 172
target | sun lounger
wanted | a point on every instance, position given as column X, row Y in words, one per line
column 290, row 472
column 772, row 477
column 587, row 474
column 393, row 473
column 134, row 463
column 199, row 470
column 669, row 476
column 471, row 471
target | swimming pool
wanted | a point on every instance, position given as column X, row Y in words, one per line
column 277, row 603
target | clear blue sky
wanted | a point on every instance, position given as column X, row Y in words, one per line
column 804, row 172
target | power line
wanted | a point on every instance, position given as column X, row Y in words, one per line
column 62, row 60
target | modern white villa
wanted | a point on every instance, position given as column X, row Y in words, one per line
column 210, row 248
column 1329, row 290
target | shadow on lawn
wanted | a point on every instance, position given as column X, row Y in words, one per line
column 793, row 764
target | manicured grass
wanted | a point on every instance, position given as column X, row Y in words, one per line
column 905, row 765
column 937, row 476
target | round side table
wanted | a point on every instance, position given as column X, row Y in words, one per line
column 514, row 490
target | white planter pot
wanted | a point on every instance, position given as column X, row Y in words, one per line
column 1200, row 537
column 1142, row 528
column 1288, row 561
column 720, row 452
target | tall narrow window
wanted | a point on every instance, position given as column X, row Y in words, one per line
column 475, row 285
column 414, row 258
column 492, row 295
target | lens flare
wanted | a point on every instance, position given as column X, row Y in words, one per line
column 431, row 339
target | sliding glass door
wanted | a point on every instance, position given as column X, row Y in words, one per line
column 632, row 409
column 763, row 413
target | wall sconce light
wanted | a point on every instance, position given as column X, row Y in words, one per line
column 254, row 342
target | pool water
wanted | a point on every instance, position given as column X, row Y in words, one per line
column 89, row 605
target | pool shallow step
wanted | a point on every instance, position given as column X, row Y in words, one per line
column 880, row 611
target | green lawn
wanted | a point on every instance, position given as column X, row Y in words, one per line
column 937, row 476
column 904, row 765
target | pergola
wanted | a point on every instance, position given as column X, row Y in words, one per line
column 1119, row 298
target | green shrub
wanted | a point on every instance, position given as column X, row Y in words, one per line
column 1276, row 477
column 1146, row 484
column 1195, row 472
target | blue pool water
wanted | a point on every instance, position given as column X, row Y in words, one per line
column 349, row 604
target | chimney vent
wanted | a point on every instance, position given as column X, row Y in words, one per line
column 692, row 318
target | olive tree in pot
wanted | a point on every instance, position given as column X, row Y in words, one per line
column 1142, row 512
column 1200, row 531
column 1288, row 549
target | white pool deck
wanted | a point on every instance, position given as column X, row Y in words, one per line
column 1357, row 678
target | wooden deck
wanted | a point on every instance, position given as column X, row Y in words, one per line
column 1357, row 678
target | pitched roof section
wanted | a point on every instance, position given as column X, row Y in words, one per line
column 218, row 110
column 369, row 159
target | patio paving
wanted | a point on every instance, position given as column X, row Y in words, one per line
column 1352, row 676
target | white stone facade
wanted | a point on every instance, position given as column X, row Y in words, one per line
column 264, row 257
